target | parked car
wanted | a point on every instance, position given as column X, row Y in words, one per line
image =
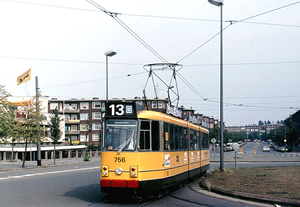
column 283, row 149
column 266, row 149
column 229, row 147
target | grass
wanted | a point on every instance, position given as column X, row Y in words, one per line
column 275, row 183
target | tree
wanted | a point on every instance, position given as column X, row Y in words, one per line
column 55, row 129
column 8, row 120
column 264, row 136
column 290, row 130
column 30, row 128
column 214, row 133
column 261, row 123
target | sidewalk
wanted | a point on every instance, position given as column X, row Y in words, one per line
column 251, row 157
column 17, row 165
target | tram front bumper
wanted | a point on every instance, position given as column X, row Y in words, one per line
column 119, row 183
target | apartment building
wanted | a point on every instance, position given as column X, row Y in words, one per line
column 266, row 128
column 83, row 117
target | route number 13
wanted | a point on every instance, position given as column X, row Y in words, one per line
column 117, row 109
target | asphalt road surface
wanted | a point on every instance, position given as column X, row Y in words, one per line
column 78, row 185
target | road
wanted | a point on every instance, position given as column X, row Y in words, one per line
column 56, row 186
column 78, row 185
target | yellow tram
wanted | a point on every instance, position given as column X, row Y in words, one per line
column 147, row 151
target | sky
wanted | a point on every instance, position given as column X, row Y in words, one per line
column 64, row 43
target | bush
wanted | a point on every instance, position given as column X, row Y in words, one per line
column 86, row 156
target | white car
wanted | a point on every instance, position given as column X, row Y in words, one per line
column 266, row 149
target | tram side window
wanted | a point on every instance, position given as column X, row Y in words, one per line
column 145, row 135
column 180, row 138
column 205, row 141
column 155, row 135
column 171, row 137
column 166, row 137
column 176, row 137
column 193, row 140
column 198, row 140
column 186, row 139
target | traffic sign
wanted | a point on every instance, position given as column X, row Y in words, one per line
column 213, row 140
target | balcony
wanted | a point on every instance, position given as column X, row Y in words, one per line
column 70, row 132
column 71, row 110
column 72, row 121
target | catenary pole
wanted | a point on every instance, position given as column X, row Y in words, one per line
column 220, row 3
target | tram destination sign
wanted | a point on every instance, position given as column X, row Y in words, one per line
column 115, row 109
column 173, row 110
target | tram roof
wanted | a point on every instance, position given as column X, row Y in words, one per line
column 154, row 115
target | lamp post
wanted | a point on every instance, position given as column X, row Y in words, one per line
column 108, row 54
column 220, row 3
column 284, row 145
column 38, row 150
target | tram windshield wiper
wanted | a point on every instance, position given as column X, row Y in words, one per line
column 124, row 144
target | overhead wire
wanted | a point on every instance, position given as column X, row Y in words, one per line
column 128, row 29
column 143, row 15
column 231, row 23
column 114, row 15
column 138, row 64
column 272, row 10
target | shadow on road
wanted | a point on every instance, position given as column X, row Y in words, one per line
column 88, row 193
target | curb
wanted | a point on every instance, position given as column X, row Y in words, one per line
column 256, row 161
column 75, row 162
column 244, row 197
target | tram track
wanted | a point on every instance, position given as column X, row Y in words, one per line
column 151, row 200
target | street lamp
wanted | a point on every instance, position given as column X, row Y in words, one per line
column 108, row 54
column 220, row 3
column 284, row 145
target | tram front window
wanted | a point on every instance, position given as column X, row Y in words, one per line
column 120, row 135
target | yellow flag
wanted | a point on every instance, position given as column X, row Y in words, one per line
column 24, row 77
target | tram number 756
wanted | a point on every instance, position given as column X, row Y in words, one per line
column 120, row 159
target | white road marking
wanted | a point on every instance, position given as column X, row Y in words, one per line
column 47, row 173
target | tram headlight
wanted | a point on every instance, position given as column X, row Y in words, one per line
column 119, row 171
column 134, row 171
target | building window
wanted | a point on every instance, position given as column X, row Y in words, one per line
column 84, row 116
column 53, row 106
column 84, row 138
column 71, row 107
column 83, row 127
column 96, row 115
column 67, row 117
column 95, row 137
column 84, row 105
column 74, row 127
column 74, row 117
column 97, row 105
column 160, row 105
column 74, row 106
column 73, row 138
column 96, row 126
column 154, row 104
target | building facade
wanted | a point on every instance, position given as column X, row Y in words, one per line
column 251, row 128
column 83, row 117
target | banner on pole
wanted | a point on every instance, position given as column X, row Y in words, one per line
column 24, row 77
